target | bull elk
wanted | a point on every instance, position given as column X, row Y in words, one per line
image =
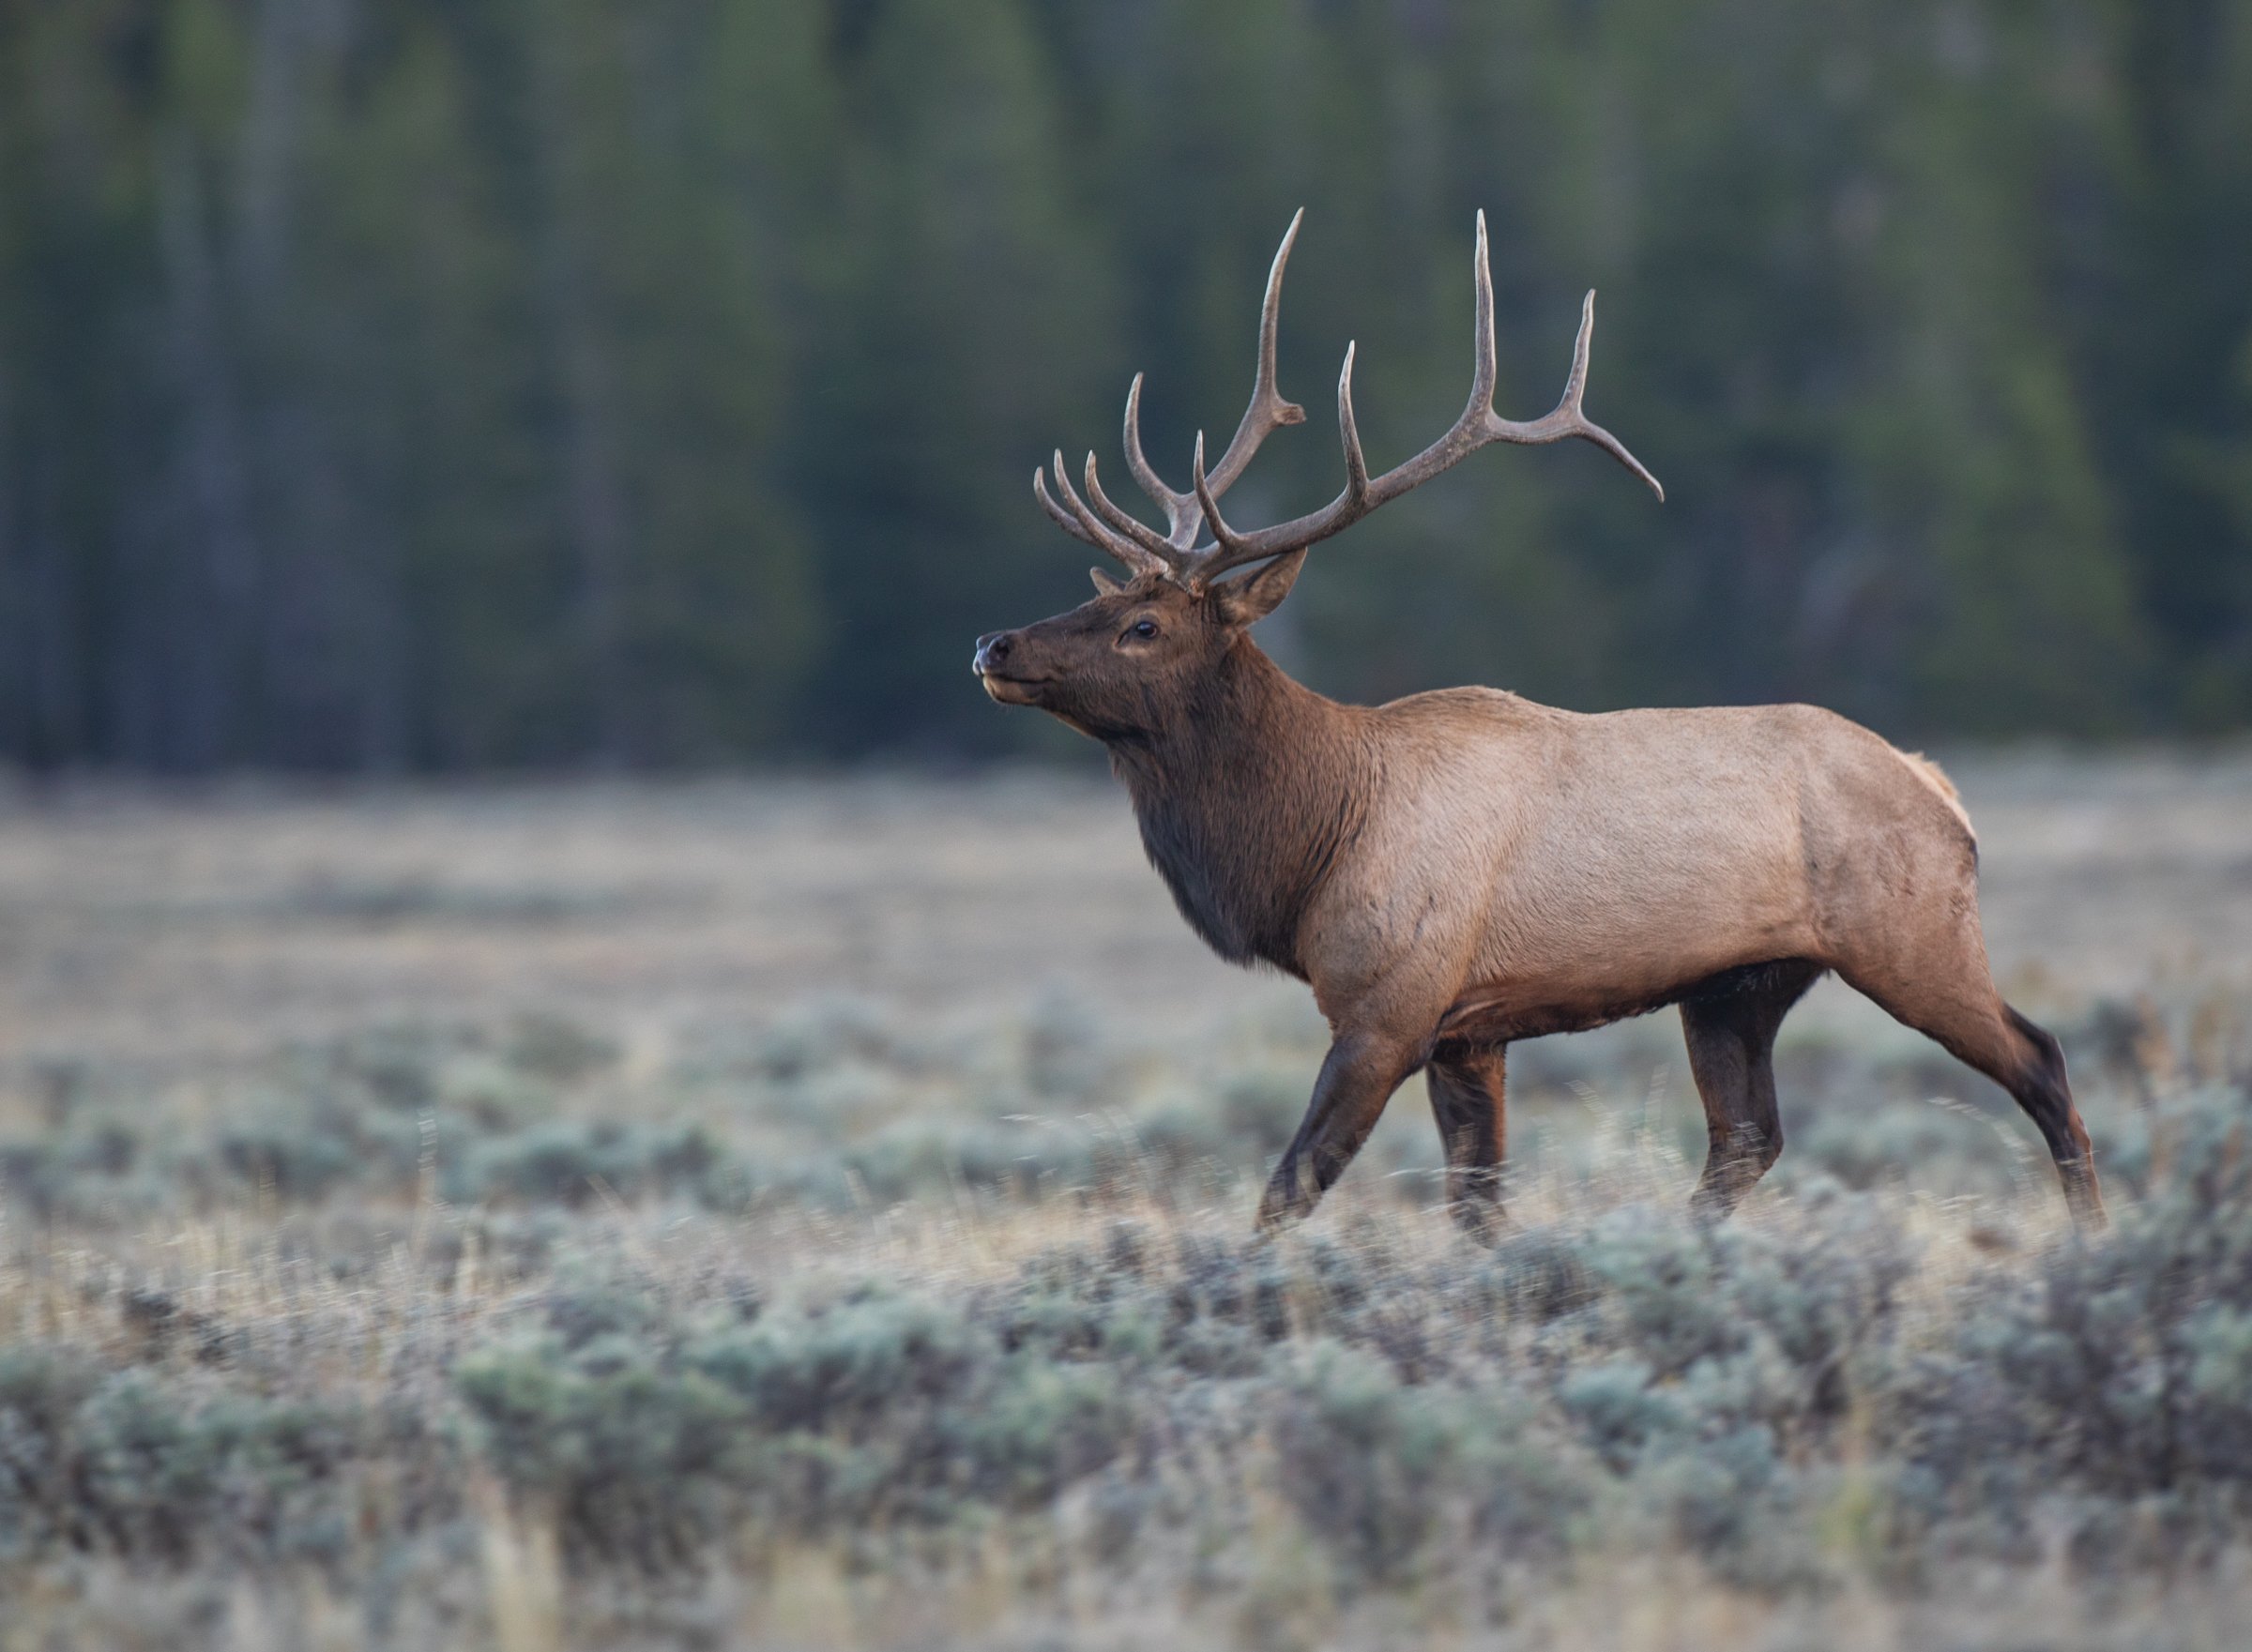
column 1458, row 869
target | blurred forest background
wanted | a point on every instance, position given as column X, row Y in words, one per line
column 430, row 387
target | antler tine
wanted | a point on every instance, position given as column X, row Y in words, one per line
column 1266, row 413
column 1087, row 529
column 1348, row 431
column 1566, row 419
column 1140, row 532
column 1226, row 541
column 1230, row 548
column 1064, row 518
column 1181, row 516
column 1484, row 371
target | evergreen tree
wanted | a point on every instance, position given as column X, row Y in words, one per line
column 958, row 321
column 511, row 382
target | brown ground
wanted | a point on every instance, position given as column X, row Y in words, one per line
column 188, row 926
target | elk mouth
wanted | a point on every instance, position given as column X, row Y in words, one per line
column 1012, row 690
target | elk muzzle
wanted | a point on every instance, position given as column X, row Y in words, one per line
column 996, row 665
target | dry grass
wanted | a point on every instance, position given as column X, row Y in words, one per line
column 170, row 924
column 337, row 1131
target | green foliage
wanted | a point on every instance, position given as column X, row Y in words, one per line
column 1378, row 1467
column 503, row 384
column 119, row 1462
column 631, row 1455
column 1814, row 1397
column 649, row 1439
column 2113, row 1379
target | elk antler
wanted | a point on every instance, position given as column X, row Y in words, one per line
column 1478, row 426
column 1140, row 547
column 1176, row 551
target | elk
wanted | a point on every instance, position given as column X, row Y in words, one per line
column 1456, row 871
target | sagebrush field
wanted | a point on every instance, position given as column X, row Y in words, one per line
column 812, row 1213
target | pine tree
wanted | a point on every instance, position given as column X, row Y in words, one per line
column 959, row 327
column 551, row 381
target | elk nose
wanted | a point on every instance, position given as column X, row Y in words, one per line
column 993, row 649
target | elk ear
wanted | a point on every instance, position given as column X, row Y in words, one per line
column 1105, row 585
column 1252, row 597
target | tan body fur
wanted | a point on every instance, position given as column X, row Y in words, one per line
column 1548, row 870
column 1459, row 869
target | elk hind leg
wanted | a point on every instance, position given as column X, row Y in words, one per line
column 1957, row 1006
column 1729, row 1026
column 1468, row 1103
column 2042, row 1090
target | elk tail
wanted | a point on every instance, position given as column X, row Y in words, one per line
column 1932, row 775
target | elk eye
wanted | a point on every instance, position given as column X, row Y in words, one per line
column 1145, row 629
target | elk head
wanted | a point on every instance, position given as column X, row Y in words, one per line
column 1131, row 660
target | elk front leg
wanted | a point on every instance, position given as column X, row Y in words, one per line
column 1468, row 1101
column 1358, row 1077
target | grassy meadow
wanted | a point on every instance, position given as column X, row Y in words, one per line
column 814, row 1213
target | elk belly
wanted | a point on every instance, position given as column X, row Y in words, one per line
column 1615, row 914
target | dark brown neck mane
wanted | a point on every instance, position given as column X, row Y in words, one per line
column 1243, row 802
